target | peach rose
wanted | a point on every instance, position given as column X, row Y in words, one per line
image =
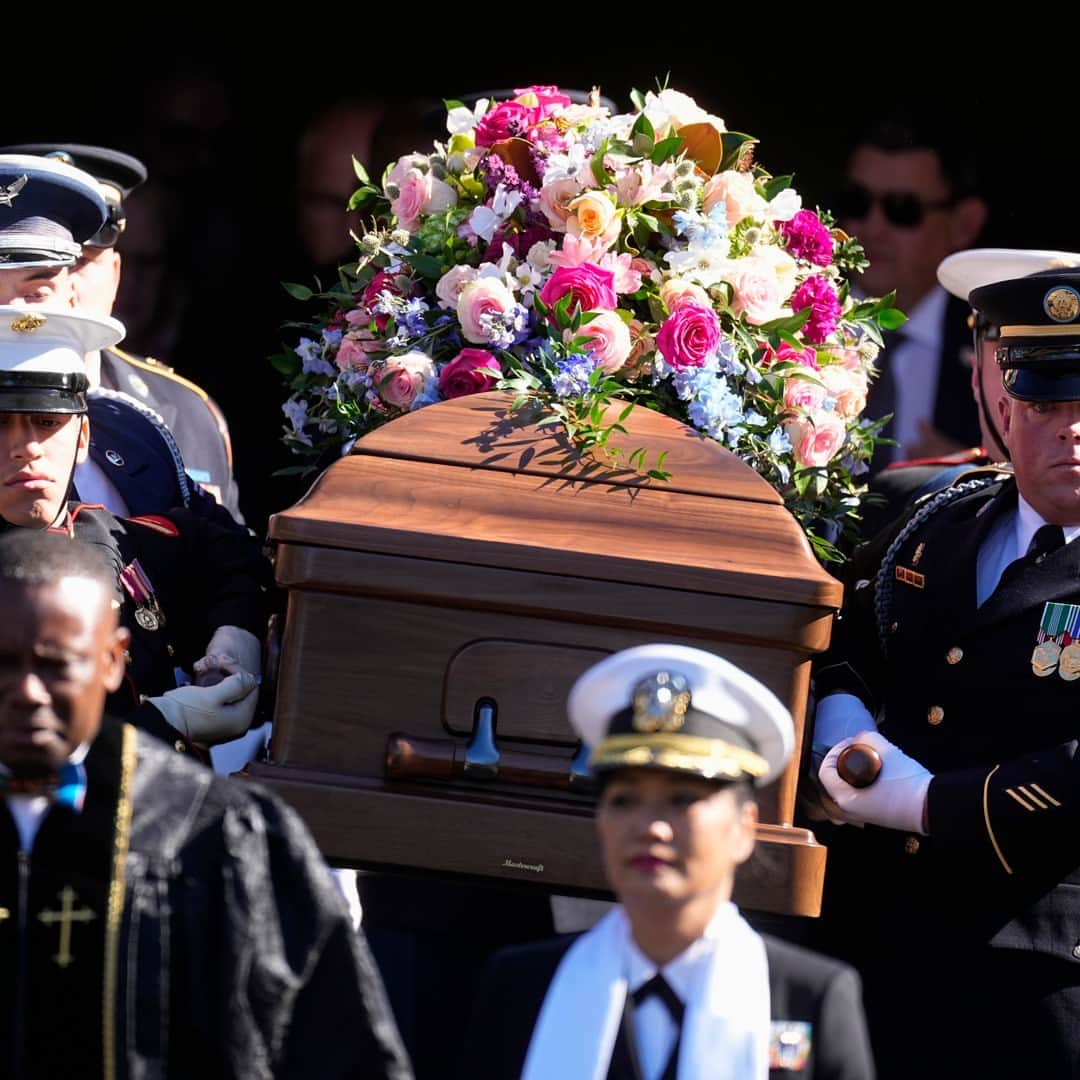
column 816, row 440
column 555, row 200
column 593, row 216
column 403, row 378
column 485, row 296
column 675, row 292
column 848, row 387
column 737, row 191
column 608, row 340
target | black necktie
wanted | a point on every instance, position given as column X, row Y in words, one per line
column 1047, row 539
column 659, row 987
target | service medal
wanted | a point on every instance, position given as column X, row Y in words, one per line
column 1069, row 662
column 137, row 585
column 1044, row 659
column 147, row 619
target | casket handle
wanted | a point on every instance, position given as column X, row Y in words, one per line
column 482, row 755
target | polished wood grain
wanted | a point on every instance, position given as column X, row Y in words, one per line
column 375, row 825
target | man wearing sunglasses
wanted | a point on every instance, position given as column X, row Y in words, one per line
column 911, row 197
column 191, row 416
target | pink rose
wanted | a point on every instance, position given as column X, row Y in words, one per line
column 803, row 394
column 464, row 375
column 847, row 387
column 485, row 296
column 353, row 352
column 817, row 440
column 689, row 336
column 608, row 340
column 507, row 120
column 449, row 287
column 758, row 295
column 402, row 378
column 785, row 354
column 418, row 192
column 590, row 287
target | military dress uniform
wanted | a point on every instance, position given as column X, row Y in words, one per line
column 180, row 925
column 179, row 577
column 188, row 412
column 976, row 926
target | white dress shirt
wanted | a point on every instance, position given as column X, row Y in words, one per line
column 915, row 363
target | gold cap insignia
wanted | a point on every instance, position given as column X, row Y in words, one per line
column 27, row 324
column 660, row 703
column 1062, row 304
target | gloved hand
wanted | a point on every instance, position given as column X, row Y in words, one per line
column 211, row 714
column 895, row 800
column 230, row 650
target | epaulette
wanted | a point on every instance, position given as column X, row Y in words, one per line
column 999, row 470
column 965, row 484
column 156, row 367
column 156, row 522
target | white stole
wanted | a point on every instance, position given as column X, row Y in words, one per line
column 725, row 1031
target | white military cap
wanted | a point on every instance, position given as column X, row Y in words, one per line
column 43, row 356
column 680, row 708
column 964, row 271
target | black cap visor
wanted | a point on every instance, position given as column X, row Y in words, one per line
column 1041, row 372
column 42, row 392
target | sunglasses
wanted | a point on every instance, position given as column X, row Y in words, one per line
column 904, row 209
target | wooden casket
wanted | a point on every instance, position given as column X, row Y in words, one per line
column 449, row 580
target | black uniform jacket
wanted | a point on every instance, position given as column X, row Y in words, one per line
column 955, row 687
column 189, row 413
column 804, row 988
column 181, row 925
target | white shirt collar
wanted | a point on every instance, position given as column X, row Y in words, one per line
column 1029, row 521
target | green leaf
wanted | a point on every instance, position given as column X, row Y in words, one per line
column 425, row 265
column 361, row 172
column 599, row 169
column 453, row 103
column 642, row 126
column 638, row 98
column 775, row 185
column 361, row 197
column 892, row 318
column 789, row 324
column 288, row 363
column 297, row 292
column 735, row 144
column 294, row 470
column 626, row 412
column 665, row 149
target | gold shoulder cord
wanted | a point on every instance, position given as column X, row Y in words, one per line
column 986, row 818
column 121, row 838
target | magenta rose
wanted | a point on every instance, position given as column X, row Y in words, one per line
column 509, row 119
column 548, row 98
column 465, row 375
column 591, row 287
column 689, row 336
column 807, row 238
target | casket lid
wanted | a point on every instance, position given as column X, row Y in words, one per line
column 469, row 481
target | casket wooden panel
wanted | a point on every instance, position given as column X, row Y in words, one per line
column 448, row 581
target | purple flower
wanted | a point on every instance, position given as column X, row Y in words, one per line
column 807, row 238
column 818, row 294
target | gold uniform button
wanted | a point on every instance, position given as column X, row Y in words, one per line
column 935, row 714
column 911, row 845
column 179, row 746
column 954, row 655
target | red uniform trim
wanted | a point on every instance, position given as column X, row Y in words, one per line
column 159, row 524
column 960, row 457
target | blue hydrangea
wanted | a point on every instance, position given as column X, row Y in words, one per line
column 312, row 361
column 779, row 443
column 716, row 408
column 572, row 379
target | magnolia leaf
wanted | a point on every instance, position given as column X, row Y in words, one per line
column 738, row 151
column 518, row 152
column 703, row 145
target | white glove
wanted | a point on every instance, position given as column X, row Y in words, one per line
column 895, row 800
column 211, row 714
column 230, row 650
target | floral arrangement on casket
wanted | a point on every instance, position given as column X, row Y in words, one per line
column 583, row 259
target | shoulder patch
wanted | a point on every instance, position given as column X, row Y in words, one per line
column 158, row 523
